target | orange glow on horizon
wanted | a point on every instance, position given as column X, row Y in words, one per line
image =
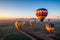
column 9, row 18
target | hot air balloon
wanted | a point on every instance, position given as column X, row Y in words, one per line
column 50, row 27
column 41, row 13
column 18, row 25
column 31, row 22
column 48, row 19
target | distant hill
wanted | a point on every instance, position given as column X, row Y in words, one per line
column 25, row 19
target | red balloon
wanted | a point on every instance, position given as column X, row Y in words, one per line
column 41, row 13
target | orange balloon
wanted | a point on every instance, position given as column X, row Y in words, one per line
column 18, row 25
column 50, row 27
column 31, row 23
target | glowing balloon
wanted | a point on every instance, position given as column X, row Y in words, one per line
column 41, row 13
column 31, row 23
column 18, row 25
column 50, row 27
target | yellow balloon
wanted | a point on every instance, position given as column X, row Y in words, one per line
column 49, row 28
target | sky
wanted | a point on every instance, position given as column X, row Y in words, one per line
column 27, row 8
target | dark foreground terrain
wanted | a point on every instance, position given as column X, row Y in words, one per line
column 37, row 31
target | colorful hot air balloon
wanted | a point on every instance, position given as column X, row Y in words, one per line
column 31, row 22
column 50, row 27
column 18, row 25
column 41, row 13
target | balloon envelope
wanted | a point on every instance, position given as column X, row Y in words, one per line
column 18, row 25
column 41, row 13
column 31, row 22
column 48, row 19
column 50, row 27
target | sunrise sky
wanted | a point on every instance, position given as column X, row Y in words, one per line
column 27, row 8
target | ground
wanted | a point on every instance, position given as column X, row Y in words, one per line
column 8, row 31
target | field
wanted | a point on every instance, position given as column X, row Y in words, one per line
column 9, row 32
column 37, row 30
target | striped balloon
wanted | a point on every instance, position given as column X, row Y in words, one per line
column 41, row 13
column 50, row 27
